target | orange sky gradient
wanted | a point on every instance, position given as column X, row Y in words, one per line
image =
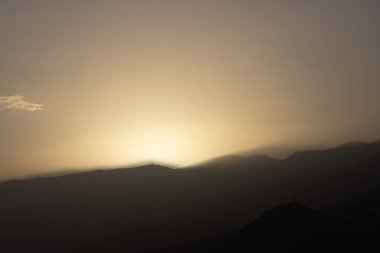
column 89, row 84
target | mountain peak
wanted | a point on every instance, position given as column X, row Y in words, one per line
column 284, row 218
column 147, row 167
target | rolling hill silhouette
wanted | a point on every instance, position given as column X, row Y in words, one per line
column 291, row 227
column 153, row 207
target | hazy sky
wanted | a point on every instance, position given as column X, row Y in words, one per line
column 107, row 83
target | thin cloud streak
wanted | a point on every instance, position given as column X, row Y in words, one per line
column 18, row 102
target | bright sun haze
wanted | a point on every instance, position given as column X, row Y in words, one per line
column 88, row 84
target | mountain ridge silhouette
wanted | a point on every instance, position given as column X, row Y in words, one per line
column 293, row 227
column 156, row 207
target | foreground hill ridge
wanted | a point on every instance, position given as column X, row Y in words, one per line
column 293, row 227
column 153, row 207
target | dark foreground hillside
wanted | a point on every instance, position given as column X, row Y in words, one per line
column 153, row 207
column 292, row 227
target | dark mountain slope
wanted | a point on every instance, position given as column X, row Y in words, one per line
column 367, row 206
column 315, row 161
column 292, row 227
column 58, row 213
column 232, row 211
column 82, row 206
column 300, row 164
column 181, row 206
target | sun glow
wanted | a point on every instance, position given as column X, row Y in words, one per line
column 159, row 145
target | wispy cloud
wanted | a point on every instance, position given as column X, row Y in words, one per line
column 18, row 102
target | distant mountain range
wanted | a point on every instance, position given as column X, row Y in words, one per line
column 154, row 207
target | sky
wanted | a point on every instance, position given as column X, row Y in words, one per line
column 89, row 84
